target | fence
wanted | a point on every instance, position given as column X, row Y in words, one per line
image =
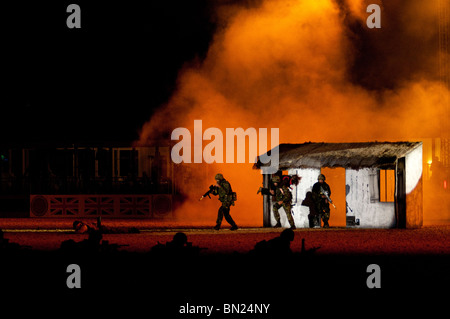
column 111, row 206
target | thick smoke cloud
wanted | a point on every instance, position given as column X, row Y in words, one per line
column 403, row 50
column 315, row 71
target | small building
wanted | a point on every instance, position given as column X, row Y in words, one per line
column 108, row 179
column 383, row 181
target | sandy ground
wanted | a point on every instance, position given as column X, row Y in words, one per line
column 47, row 234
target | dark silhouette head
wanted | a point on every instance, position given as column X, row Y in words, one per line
column 179, row 239
column 75, row 224
column 287, row 234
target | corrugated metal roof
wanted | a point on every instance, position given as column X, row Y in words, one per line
column 347, row 155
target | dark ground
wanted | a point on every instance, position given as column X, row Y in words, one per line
column 414, row 271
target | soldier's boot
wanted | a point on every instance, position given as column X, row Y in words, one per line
column 276, row 214
column 325, row 224
column 317, row 221
column 291, row 221
column 219, row 219
column 230, row 220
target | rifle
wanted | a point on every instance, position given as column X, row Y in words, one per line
column 211, row 191
column 264, row 191
column 325, row 193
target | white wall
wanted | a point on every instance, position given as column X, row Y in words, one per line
column 374, row 214
column 371, row 214
column 413, row 168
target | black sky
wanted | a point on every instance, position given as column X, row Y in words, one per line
column 103, row 81
column 100, row 82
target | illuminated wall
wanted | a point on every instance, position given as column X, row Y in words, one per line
column 414, row 188
column 364, row 201
column 375, row 198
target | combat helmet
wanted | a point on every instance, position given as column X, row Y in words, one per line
column 321, row 177
column 179, row 239
column 287, row 234
column 276, row 179
column 218, row 177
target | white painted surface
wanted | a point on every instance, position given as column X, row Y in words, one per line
column 370, row 214
column 362, row 194
column 413, row 168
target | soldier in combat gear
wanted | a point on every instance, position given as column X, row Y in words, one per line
column 226, row 197
column 283, row 198
column 322, row 204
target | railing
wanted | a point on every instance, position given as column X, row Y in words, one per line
column 111, row 206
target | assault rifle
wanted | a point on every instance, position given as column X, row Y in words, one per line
column 325, row 193
column 211, row 190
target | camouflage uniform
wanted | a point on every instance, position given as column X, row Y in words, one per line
column 282, row 194
column 223, row 190
column 322, row 205
column 313, row 216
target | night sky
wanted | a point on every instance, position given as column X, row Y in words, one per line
column 100, row 82
column 104, row 81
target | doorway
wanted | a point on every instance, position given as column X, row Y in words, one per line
column 335, row 178
column 400, row 204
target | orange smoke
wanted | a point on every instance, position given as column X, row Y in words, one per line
column 292, row 65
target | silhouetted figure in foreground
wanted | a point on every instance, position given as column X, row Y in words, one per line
column 276, row 247
column 87, row 228
column 84, row 228
column 178, row 247
column 3, row 241
column 92, row 245
column 313, row 216
column 308, row 252
column 6, row 245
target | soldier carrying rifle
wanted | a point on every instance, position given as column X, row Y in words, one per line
column 226, row 196
column 321, row 193
column 282, row 198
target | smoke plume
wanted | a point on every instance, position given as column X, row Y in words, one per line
column 314, row 70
